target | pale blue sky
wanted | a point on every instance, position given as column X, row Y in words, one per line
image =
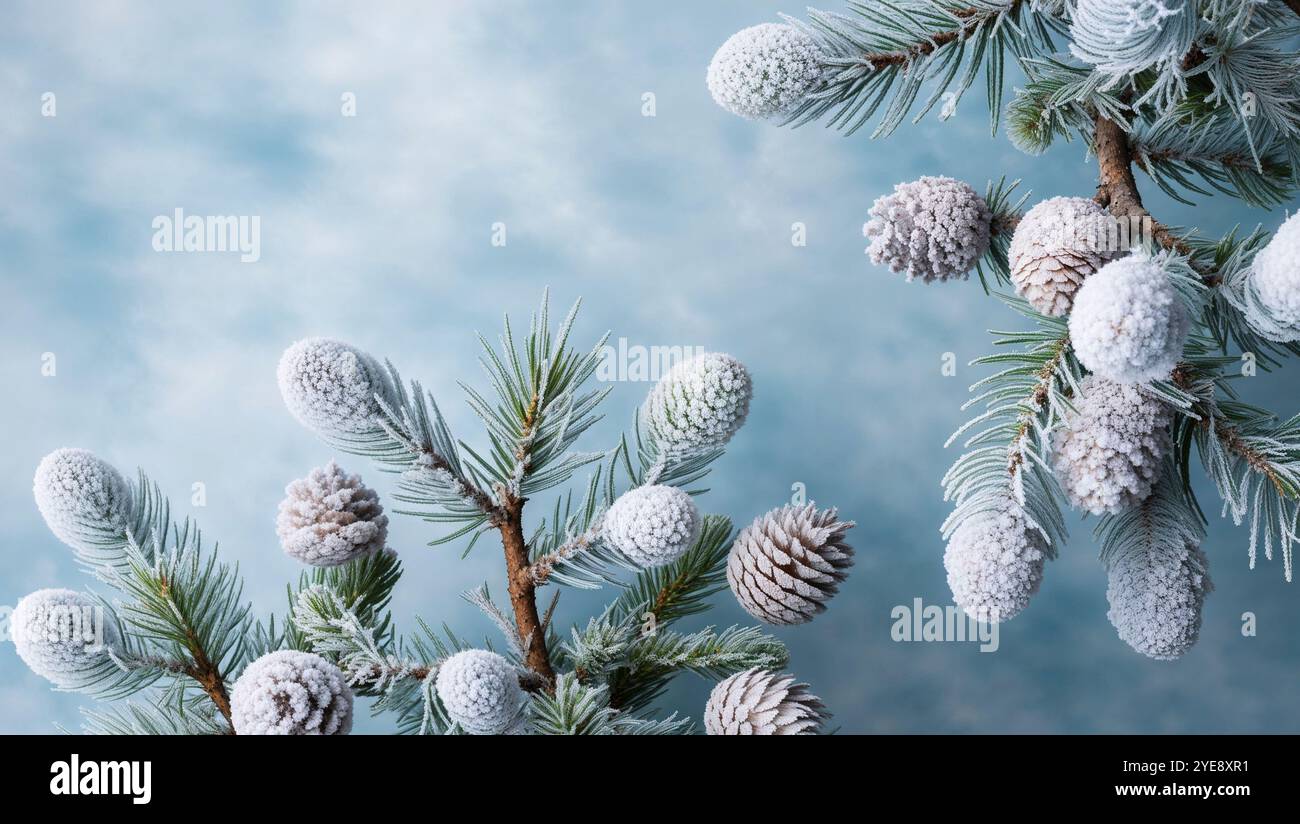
column 675, row 231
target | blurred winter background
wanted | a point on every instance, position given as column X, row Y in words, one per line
column 675, row 230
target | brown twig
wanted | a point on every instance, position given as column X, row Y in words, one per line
column 971, row 18
column 523, row 591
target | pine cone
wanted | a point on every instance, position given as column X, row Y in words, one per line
column 935, row 228
column 63, row 636
column 758, row 702
column 330, row 517
column 652, row 525
column 287, row 692
column 330, row 387
column 82, row 497
column 995, row 564
column 786, row 564
column 1058, row 243
column 700, row 403
column 480, row 691
column 1275, row 278
column 764, row 71
column 1155, row 596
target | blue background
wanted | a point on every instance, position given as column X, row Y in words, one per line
column 674, row 229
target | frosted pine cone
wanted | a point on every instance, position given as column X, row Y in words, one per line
column 995, row 564
column 1123, row 37
column 480, row 691
column 764, row 71
column 330, row 517
column 1275, row 277
column 330, row 387
column 787, row 564
column 1108, row 455
column 700, row 403
column 1058, row 243
column 291, row 693
column 759, row 702
column 935, row 228
column 1129, row 324
column 63, row 636
column 1156, row 597
column 82, row 498
column 652, row 525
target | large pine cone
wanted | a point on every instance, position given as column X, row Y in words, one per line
column 1058, row 243
column 786, row 564
column 759, row 702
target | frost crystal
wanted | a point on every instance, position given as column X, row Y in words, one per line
column 1124, row 37
column 759, row 702
column 81, row 497
column 786, row 564
column 1275, row 277
column 652, row 525
column 1129, row 323
column 935, row 228
column 1107, row 457
column 480, row 691
column 63, row 636
column 291, row 693
column 995, row 564
column 1156, row 596
column 330, row 387
column 1058, row 243
column 764, row 71
column 700, row 403
column 330, row 517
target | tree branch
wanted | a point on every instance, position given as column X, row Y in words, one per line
column 523, row 590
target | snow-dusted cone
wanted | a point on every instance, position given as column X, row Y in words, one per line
column 700, row 403
column 330, row 387
column 652, row 525
column 330, row 517
column 291, row 693
column 995, row 564
column 1058, row 244
column 480, row 691
column 63, row 636
column 759, row 702
column 1275, row 278
column 1127, row 36
column 935, row 228
column 1108, row 455
column 788, row 563
column 1128, row 323
column 764, row 71
column 1156, row 596
column 83, row 499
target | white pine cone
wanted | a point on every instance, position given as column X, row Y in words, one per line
column 1108, row 455
column 1275, row 277
column 63, row 636
column 764, row 71
column 480, row 691
column 652, row 525
column 1128, row 323
column 935, row 228
column 1123, row 37
column 1156, row 597
column 788, row 563
column 330, row 517
column 1058, row 243
column 291, row 693
column 995, row 564
column 759, row 702
column 330, row 387
column 82, row 498
column 700, row 403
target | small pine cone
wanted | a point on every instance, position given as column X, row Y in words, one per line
column 62, row 636
column 1155, row 596
column 652, row 525
column 480, row 691
column 786, row 564
column 700, row 403
column 287, row 692
column 995, row 564
column 1058, row 243
column 330, row 518
column 1275, row 278
column 81, row 497
column 759, row 702
column 1108, row 455
column 330, row 387
column 1129, row 324
column 764, row 71
column 935, row 228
